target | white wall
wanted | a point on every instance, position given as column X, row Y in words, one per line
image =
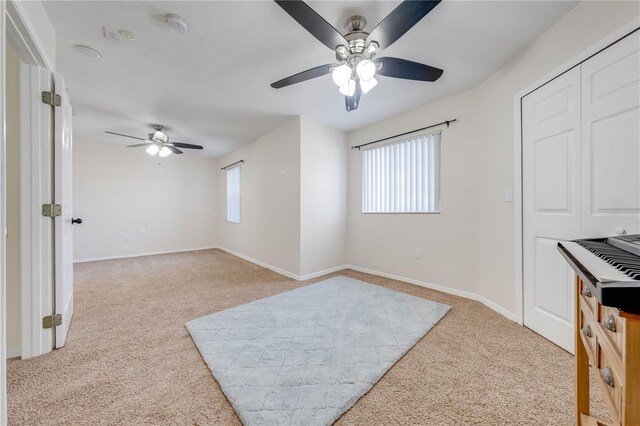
column 119, row 190
column 387, row 242
column 470, row 246
column 270, row 186
column 323, row 194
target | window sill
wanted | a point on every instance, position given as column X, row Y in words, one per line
column 438, row 212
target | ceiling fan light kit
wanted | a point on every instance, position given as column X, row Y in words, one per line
column 356, row 51
column 158, row 142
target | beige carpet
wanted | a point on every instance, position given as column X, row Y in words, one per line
column 130, row 360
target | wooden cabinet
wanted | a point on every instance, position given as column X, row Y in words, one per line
column 609, row 340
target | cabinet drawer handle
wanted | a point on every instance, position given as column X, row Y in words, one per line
column 586, row 292
column 609, row 323
column 607, row 376
column 586, row 330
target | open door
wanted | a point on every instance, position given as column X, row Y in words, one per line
column 36, row 163
column 63, row 233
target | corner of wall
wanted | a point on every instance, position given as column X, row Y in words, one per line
column 323, row 197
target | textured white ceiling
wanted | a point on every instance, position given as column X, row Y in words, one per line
column 211, row 85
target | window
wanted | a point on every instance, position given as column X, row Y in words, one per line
column 403, row 176
column 233, row 195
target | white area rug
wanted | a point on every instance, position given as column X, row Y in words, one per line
column 306, row 356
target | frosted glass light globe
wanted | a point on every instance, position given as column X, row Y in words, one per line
column 153, row 149
column 341, row 75
column 366, row 69
column 349, row 88
column 164, row 152
column 367, row 85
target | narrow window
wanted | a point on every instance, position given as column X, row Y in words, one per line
column 402, row 176
column 233, row 195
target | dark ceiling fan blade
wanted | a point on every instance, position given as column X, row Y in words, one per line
column 126, row 136
column 186, row 145
column 174, row 149
column 409, row 70
column 400, row 20
column 303, row 76
column 352, row 102
column 138, row 144
column 314, row 23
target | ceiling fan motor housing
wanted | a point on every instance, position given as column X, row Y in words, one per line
column 356, row 23
column 356, row 35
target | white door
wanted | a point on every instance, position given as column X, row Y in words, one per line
column 63, row 225
column 551, row 204
column 36, row 174
column 611, row 140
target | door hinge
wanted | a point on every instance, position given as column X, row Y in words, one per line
column 52, row 321
column 51, row 98
column 51, row 210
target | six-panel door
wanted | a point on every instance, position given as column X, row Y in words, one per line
column 551, row 204
column 581, row 175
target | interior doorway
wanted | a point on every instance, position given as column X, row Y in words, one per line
column 38, row 139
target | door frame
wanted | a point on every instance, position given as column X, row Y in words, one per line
column 620, row 33
column 35, row 145
column 16, row 25
column 3, row 337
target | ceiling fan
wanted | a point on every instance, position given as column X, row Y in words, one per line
column 158, row 142
column 356, row 50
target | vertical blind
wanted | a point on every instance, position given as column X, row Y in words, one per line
column 233, row 195
column 403, row 176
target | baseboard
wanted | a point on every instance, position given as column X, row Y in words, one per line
column 499, row 309
column 15, row 352
column 284, row 271
column 261, row 263
column 448, row 290
column 152, row 253
column 323, row 272
column 462, row 293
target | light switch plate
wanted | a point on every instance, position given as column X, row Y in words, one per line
column 508, row 195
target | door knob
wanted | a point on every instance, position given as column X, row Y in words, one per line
column 620, row 231
column 77, row 220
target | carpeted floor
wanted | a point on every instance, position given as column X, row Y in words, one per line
column 130, row 360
